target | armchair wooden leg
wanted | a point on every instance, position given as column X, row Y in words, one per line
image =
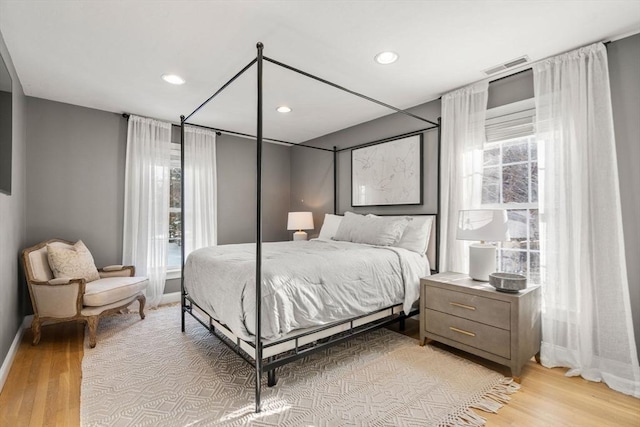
column 35, row 329
column 92, row 322
column 142, row 300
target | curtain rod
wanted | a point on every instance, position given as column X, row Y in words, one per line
column 219, row 132
column 528, row 66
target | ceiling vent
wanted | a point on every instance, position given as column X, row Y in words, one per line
column 509, row 64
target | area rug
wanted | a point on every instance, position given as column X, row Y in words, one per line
column 149, row 373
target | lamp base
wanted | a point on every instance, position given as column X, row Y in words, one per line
column 482, row 261
column 302, row 235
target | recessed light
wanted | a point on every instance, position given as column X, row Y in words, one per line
column 283, row 109
column 173, row 79
column 386, row 57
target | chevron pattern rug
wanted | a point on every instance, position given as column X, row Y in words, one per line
column 148, row 373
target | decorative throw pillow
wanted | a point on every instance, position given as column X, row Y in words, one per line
column 416, row 236
column 330, row 226
column 372, row 230
column 381, row 231
column 73, row 262
column 349, row 225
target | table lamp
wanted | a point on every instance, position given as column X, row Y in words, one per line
column 483, row 225
column 300, row 221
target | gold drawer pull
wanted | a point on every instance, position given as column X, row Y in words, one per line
column 457, row 304
column 471, row 334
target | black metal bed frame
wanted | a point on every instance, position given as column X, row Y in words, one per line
column 303, row 343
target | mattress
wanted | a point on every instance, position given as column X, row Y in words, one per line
column 305, row 283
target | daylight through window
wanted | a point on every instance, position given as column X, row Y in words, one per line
column 174, row 251
column 510, row 181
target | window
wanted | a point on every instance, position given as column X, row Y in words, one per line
column 510, row 181
column 174, row 250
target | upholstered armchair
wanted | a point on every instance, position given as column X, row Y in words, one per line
column 60, row 299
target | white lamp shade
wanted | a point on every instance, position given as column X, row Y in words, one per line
column 483, row 224
column 300, row 221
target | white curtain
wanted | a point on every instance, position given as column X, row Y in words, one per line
column 586, row 322
column 200, row 188
column 146, row 202
column 463, row 134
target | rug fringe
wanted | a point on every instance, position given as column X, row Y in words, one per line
column 491, row 402
column 469, row 419
column 497, row 396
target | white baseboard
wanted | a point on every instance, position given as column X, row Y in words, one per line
column 170, row 298
column 13, row 350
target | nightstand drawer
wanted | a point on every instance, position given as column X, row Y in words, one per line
column 487, row 338
column 479, row 309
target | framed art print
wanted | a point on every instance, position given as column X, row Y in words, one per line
column 387, row 173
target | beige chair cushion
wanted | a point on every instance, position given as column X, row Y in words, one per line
column 95, row 311
column 111, row 289
column 72, row 261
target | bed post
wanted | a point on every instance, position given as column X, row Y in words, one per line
column 437, row 269
column 258, row 335
column 335, row 180
column 182, row 293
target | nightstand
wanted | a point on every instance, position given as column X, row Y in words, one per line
column 474, row 317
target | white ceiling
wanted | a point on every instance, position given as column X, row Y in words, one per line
column 110, row 55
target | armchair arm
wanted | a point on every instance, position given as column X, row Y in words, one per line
column 117, row 271
column 58, row 281
column 57, row 298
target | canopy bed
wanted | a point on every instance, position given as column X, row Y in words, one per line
column 286, row 318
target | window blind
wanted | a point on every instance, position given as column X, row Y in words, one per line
column 509, row 126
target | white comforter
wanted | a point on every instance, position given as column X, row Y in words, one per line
column 305, row 283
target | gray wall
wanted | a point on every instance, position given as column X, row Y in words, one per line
column 511, row 89
column 312, row 170
column 6, row 105
column 237, row 190
column 12, row 221
column 624, row 71
column 236, row 168
column 76, row 158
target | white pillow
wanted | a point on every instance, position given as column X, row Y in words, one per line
column 329, row 226
column 73, row 262
column 381, row 231
column 416, row 236
column 371, row 230
column 349, row 225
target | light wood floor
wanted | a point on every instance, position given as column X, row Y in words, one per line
column 43, row 389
